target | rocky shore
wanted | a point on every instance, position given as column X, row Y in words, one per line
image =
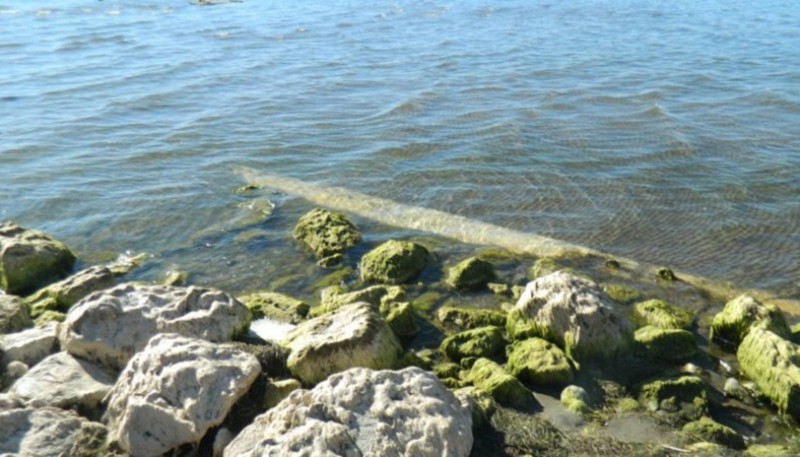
column 399, row 354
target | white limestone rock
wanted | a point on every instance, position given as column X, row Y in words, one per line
column 361, row 412
column 352, row 336
column 111, row 325
column 174, row 390
column 39, row 432
column 29, row 346
column 63, row 381
column 574, row 313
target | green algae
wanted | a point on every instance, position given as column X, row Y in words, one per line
column 326, row 233
column 468, row 318
column 741, row 314
column 661, row 314
column 707, row 429
column 394, row 262
column 478, row 342
column 666, row 344
column 538, row 362
column 506, row 389
column 471, row 274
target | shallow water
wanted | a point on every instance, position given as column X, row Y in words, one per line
column 666, row 133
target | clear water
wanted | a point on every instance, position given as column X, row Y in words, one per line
column 667, row 132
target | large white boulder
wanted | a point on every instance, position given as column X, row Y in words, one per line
column 352, row 336
column 110, row 326
column 39, row 431
column 63, row 381
column 174, row 390
column 29, row 346
column 361, row 412
column 574, row 313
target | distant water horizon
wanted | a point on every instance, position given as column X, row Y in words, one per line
column 664, row 132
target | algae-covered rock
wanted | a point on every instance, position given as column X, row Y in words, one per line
column 49, row 316
column 333, row 298
column 477, row 342
column 661, row 314
column 543, row 267
column 539, row 362
column 769, row 450
column 480, row 404
column 14, row 315
column 622, row 294
column 709, row 430
column 472, row 273
column 572, row 312
column 326, row 233
column 665, row 343
column 772, row 362
column 733, row 323
column 352, row 336
column 30, row 259
column 447, row 370
column 394, row 262
column 62, row 295
column 467, row 318
column 400, row 317
column 685, row 395
column 275, row 306
column 492, row 379
column 576, row 399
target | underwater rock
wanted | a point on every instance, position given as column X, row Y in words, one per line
column 739, row 315
column 352, row 336
column 477, row 342
column 538, row 362
column 275, row 306
column 467, row 318
column 175, row 390
column 333, row 298
column 14, row 315
column 661, row 314
column 772, row 362
column 574, row 313
column 472, row 273
column 707, row 429
column 669, row 344
column 65, row 293
column 622, row 294
column 489, row 377
column 363, row 412
column 30, row 259
column 394, row 262
column 40, row 431
column 326, row 233
column 111, row 325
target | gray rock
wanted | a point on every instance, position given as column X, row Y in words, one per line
column 63, row 381
column 14, row 315
column 39, row 432
column 352, row 336
column 572, row 312
column 63, row 294
column 363, row 412
column 29, row 346
column 30, row 259
column 174, row 390
column 111, row 325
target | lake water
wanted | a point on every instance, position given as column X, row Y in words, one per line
column 667, row 132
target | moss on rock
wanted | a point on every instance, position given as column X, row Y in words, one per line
column 400, row 317
column 394, row 262
column 30, row 259
column 732, row 324
column 467, row 318
column 275, row 306
column 665, row 344
column 48, row 317
column 539, row 362
column 471, row 274
column 707, row 429
column 333, row 298
column 326, row 233
column 478, row 342
column 576, row 399
column 622, row 294
column 685, row 395
column 492, row 379
column 661, row 314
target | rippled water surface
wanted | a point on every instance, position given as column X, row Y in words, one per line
column 668, row 132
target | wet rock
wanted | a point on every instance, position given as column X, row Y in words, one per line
column 666, row 274
column 111, row 325
column 478, row 342
column 352, row 336
column 732, row 324
column 394, row 262
column 64, row 294
column 668, row 344
column 772, row 362
column 40, row 431
column 326, row 233
column 769, row 450
column 576, row 399
column 400, row 317
column 174, row 278
column 467, row 318
column 175, row 390
column 334, row 298
column 30, row 259
column 29, row 346
column 543, row 267
column 490, row 378
column 574, row 313
column 539, row 362
column 685, row 396
column 63, row 381
column 363, row 412
column 14, row 315
column 275, row 306
column 498, row 288
column 661, row 314
column 622, row 294
column 708, row 430
column 471, row 274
